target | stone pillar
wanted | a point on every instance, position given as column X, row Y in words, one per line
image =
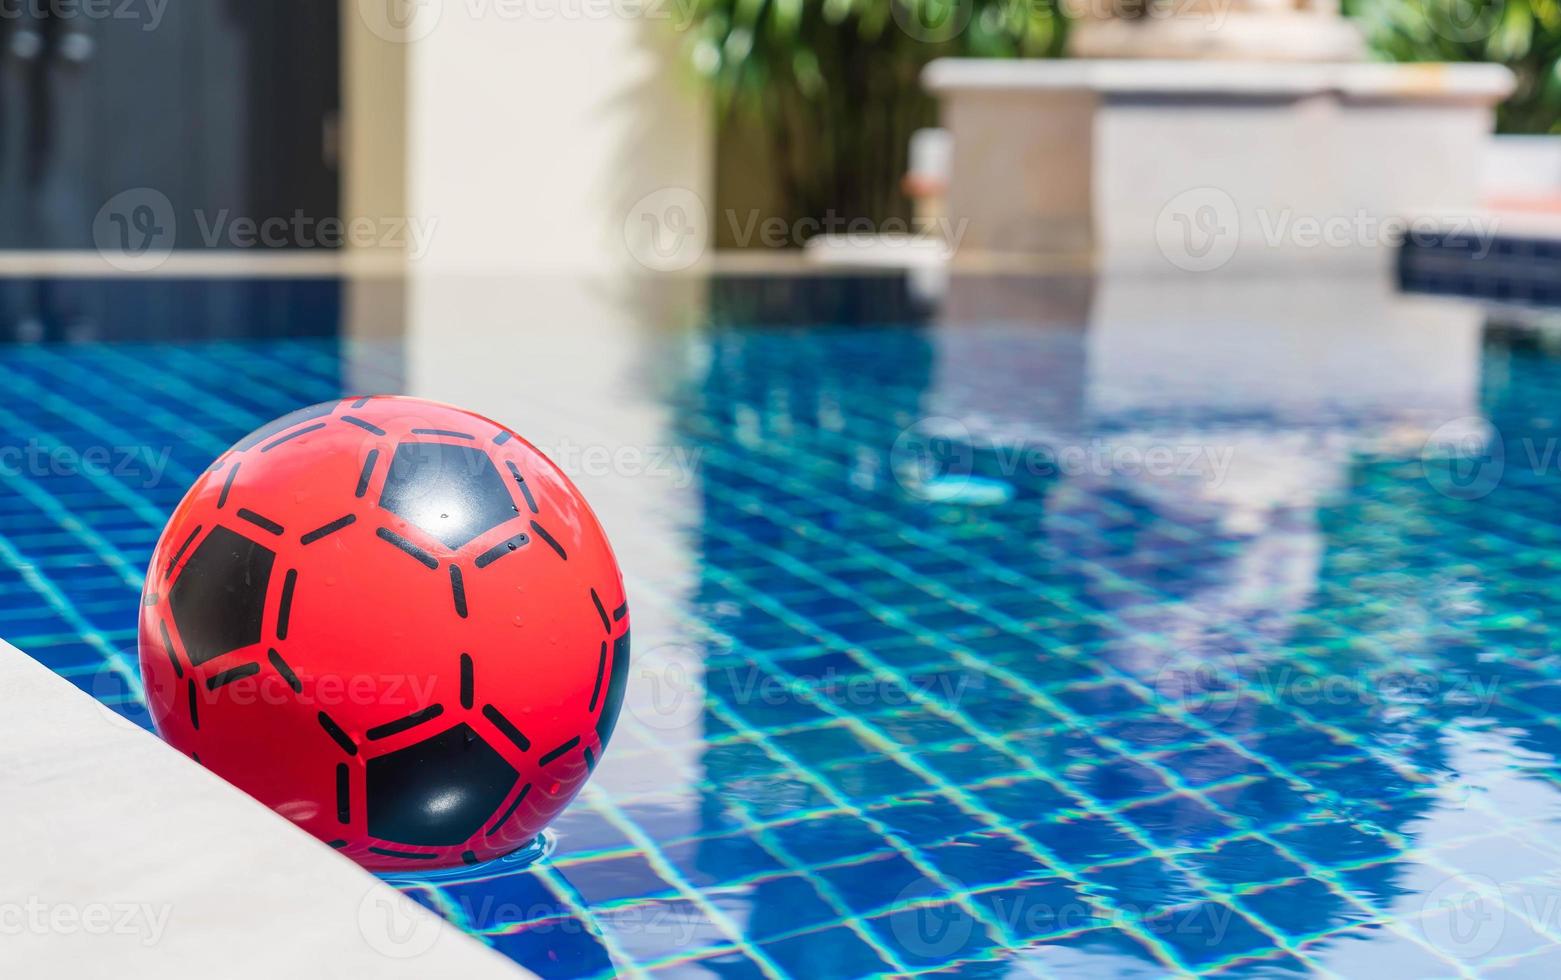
column 520, row 136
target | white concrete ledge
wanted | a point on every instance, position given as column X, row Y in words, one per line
column 1194, row 165
column 126, row 860
column 208, row 264
column 1228, row 79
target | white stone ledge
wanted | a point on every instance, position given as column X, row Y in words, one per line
column 1479, row 83
column 126, row 860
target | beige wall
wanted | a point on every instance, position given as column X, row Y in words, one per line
column 523, row 133
column 373, row 122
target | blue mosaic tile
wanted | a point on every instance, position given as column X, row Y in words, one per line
column 941, row 736
column 831, row 953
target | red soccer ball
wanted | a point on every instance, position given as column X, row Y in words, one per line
column 396, row 623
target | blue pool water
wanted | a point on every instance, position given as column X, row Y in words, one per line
column 992, row 647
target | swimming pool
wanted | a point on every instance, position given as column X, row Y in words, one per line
column 1083, row 633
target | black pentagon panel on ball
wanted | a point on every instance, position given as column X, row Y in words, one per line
column 265, row 432
column 454, row 493
column 438, row 792
column 219, row 598
column 617, row 680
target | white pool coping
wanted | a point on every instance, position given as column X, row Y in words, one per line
column 125, row 859
column 1483, row 83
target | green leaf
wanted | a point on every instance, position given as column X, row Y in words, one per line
column 786, row 20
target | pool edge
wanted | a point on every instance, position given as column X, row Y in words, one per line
column 127, row 858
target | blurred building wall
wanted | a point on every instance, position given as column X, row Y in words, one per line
column 532, row 129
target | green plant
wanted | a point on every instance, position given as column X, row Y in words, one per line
column 829, row 91
column 831, row 88
column 1525, row 35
